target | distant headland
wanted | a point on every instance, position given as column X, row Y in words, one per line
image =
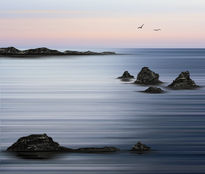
column 14, row 52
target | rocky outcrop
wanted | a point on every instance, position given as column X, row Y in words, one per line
column 147, row 77
column 126, row 76
column 68, row 52
column 183, row 81
column 11, row 51
column 140, row 148
column 96, row 150
column 43, row 143
column 154, row 90
column 35, row 143
column 41, row 51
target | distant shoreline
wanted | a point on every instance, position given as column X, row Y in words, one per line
column 14, row 52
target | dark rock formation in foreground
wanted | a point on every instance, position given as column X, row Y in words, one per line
column 11, row 51
column 140, row 148
column 43, row 143
column 147, row 77
column 154, row 90
column 183, row 81
column 126, row 76
column 35, row 143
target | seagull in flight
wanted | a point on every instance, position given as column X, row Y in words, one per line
column 157, row 29
column 141, row 27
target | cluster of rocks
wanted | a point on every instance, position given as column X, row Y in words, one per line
column 41, row 145
column 148, row 77
column 11, row 51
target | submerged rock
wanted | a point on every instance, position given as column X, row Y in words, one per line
column 183, row 81
column 154, row 90
column 140, row 148
column 126, row 76
column 147, row 77
column 43, row 143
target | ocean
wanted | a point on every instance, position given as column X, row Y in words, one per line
column 78, row 101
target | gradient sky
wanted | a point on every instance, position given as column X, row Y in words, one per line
column 102, row 23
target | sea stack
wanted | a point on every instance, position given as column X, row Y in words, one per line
column 183, row 81
column 154, row 90
column 140, row 148
column 126, row 76
column 147, row 77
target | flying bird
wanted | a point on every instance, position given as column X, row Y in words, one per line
column 141, row 27
column 157, row 29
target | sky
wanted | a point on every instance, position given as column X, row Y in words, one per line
column 102, row 23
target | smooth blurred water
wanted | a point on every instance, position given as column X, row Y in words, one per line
column 78, row 101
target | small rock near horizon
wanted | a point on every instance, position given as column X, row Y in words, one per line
column 140, row 148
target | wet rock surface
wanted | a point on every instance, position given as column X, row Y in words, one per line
column 147, row 77
column 183, row 81
column 11, row 51
column 126, row 76
column 140, row 148
column 154, row 90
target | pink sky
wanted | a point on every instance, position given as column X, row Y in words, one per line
column 88, row 29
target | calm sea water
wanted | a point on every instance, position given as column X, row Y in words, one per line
column 78, row 101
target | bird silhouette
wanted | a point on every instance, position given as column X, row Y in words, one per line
column 157, row 29
column 141, row 27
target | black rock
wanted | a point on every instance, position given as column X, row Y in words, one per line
column 147, row 77
column 154, row 90
column 43, row 143
column 140, row 148
column 126, row 76
column 183, row 81
column 35, row 143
